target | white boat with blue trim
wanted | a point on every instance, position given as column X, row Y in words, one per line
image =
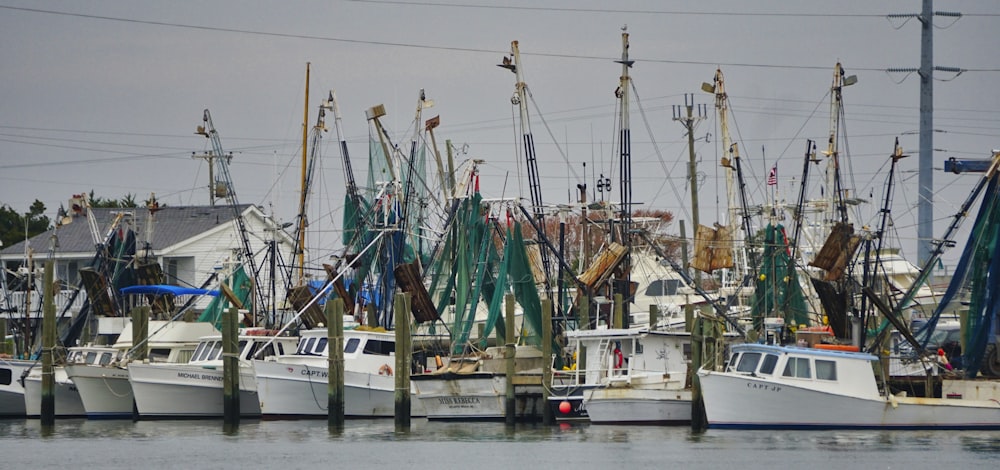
column 774, row 387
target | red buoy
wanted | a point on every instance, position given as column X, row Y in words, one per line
column 565, row 407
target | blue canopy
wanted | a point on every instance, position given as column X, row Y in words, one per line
column 162, row 289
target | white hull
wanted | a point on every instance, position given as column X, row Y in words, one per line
column 67, row 397
column 104, row 391
column 299, row 390
column 477, row 396
column 186, row 391
column 12, row 392
column 638, row 406
column 774, row 387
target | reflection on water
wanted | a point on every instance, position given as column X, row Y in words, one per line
column 443, row 445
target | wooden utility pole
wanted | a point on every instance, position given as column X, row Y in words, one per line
column 689, row 121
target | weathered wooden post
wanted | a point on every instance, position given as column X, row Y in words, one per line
column 230, row 367
column 48, row 411
column 510, row 349
column 372, row 320
column 617, row 318
column 140, row 331
column 335, row 348
column 547, row 417
column 4, row 348
column 698, row 419
column 581, row 355
column 654, row 316
column 403, row 352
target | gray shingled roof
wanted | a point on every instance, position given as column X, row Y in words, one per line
column 172, row 225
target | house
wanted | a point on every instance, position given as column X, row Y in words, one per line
column 190, row 243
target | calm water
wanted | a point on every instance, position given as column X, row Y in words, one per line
column 79, row 444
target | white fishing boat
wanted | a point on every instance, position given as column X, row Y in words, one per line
column 296, row 385
column 195, row 389
column 11, row 388
column 474, row 387
column 638, row 375
column 66, row 395
column 103, row 385
column 773, row 387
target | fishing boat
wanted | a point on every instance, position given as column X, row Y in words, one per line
column 639, row 375
column 103, row 385
column 772, row 387
column 297, row 385
column 11, row 387
column 68, row 403
column 195, row 389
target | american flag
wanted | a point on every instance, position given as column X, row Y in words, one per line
column 772, row 178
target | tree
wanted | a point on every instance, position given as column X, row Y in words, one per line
column 16, row 227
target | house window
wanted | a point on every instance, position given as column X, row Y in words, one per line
column 826, row 370
column 797, row 367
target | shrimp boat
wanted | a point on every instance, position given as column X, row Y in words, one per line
column 786, row 387
column 195, row 389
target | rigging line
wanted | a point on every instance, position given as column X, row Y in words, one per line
column 419, row 46
column 552, row 136
column 659, row 155
column 811, row 114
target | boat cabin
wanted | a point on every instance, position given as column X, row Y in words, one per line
column 840, row 372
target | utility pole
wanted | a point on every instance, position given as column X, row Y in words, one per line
column 689, row 121
column 925, row 198
column 210, row 157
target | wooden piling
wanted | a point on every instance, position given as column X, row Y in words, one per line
column 140, row 331
column 547, row 417
column 581, row 355
column 230, row 367
column 404, row 350
column 698, row 419
column 510, row 349
column 4, row 346
column 654, row 316
column 617, row 318
column 335, row 376
column 48, row 411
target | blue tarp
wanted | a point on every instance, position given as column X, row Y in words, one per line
column 162, row 289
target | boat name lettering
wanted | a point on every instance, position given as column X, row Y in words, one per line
column 764, row 387
column 458, row 400
column 315, row 373
column 189, row 375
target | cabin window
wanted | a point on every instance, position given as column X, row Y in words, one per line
column 321, row 346
column 105, row 359
column 159, row 354
column 379, row 347
column 748, row 362
column 826, row 370
column 216, row 350
column 662, row 287
column 251, row 350
column 199, row 350
column 91, row 357
column 733, row 360
column 6, row 376
column 686, row 348
column 767, row 365
column 352, row 345
column 306, row 348
column 264, row 352
column 797, row 367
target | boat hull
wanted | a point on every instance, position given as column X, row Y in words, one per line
column 11, row 389
column 300, row 391
column 475, row 396
column 625, row 405
column 67, row 396
column 185, row 391
column 105, row 391
column 739, row 401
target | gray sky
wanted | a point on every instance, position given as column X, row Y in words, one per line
column 106, row 94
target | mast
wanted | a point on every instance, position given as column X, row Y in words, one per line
column 301, row 242
column 521, row 99
column 625, row 153
column 837, row 209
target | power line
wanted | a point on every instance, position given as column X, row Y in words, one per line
column 457, row 49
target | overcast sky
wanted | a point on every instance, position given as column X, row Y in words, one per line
column 105, row 95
